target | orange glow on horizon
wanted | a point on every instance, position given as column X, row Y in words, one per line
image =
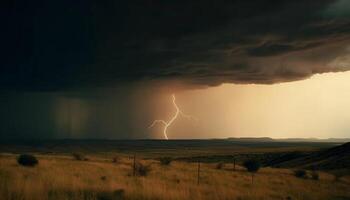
column 315, row 107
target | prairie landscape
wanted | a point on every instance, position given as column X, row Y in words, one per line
column 113, row 175
column 175, row 100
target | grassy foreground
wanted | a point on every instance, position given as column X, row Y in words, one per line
column 62, row 177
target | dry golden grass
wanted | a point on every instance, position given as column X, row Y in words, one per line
column 61, row 177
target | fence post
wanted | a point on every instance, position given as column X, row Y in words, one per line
column 134, row 166
column 234, row 164
column 198, row 171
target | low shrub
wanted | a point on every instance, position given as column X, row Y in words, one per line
column 220, row 165
column 27, row 160
column 115, row 159
column 300, row 173
column 165, row 160
column 115, row 195
column 339, row 174
column 315, row 176
column 79, row 156
column 141, row 169
column 252, row 165
column 337, row 177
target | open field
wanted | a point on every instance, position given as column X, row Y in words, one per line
column 60, row 176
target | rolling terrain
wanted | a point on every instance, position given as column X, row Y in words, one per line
column 335, row 160
column 198, row 169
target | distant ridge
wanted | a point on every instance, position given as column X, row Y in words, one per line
column 268, row 139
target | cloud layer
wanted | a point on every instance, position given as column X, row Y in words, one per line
column 63, row 45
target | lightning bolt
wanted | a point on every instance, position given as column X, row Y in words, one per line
column 167, row 124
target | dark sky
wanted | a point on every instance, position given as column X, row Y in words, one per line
column 61, row 49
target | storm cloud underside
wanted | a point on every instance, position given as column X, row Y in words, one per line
column 59, row 45
column 105, row 69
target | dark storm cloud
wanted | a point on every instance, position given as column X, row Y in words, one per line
column 58, row 45
column 73, row 68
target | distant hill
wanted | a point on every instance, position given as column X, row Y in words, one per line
column 268, row 139
column 252, row 139
column 177, row 147
column 334, row 158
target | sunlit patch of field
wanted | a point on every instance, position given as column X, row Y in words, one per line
column 62, row 177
